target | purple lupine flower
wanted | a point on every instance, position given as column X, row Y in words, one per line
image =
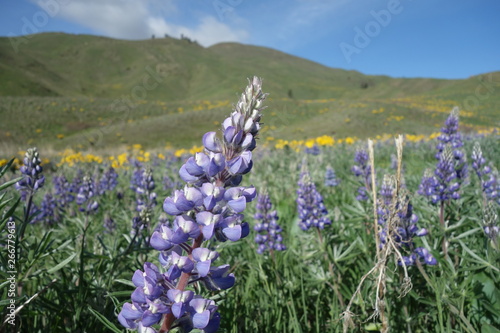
column 268, row 230
column 490, row 223
column 137, row 174
column 48, row 213
column 62, row 191
column 428, row 185
column 314, row 150
column 210, row 205
column 487, row 174
column 108, row 181
column 452, row 162
column 76, row 182
column 331, row 179
column 85, row 195
column 402, row 229
column 109, row 224
column 312, row 211
column 32, row 171
column 362, row 169
column 449, row 133
column 448, row 185
column 144, row 189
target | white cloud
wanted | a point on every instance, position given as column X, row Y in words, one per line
column 132, row 19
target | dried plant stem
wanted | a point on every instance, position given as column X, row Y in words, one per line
column 374, row 195
column 384, row 253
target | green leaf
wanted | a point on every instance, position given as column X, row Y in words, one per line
column 9, row 183
column 62, row 264
column 105, row 321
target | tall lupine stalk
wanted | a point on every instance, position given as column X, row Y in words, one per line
column 313, row 214
column 268, row 230
column 331, row 179
column 32, row 181
column 362, row 169
column 488, row 175
column 312, row 211
column 450, row 173
column 145, row 200
column 209, row 208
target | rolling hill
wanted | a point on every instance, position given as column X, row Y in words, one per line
column 58, row 87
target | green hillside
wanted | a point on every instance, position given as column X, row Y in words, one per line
column 63, row 90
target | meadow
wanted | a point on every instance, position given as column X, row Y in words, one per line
column 364, row 252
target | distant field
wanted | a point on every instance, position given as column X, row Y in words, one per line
column 97, row 94
column 87, row 124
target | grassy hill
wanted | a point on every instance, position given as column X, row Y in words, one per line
column 63, row 90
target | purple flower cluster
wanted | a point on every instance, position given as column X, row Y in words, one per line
column 451, row 170
column 331, row 179
column 32, row 171
column 85, row 195
column 209, row 207
column 146, row 198
column 314, row 150
column 401, row 226
column 268, row 230
column 442, row 185
column 362, row 169
column 49, row 212
column 488, row 176
column 108, row 181
column 312, row 211
column 63, row 190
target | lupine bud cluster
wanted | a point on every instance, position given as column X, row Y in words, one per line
column 401, row 226
column 362, row 169
column 268, row 230
column 209, row 207
column 451, row 170
column 331, row 179
column 108, row 181
column 443, row 185
column 48, row 212
column 487, row 175
column 146, row 198
column 490, row 222
column 32, row 170
column 62, row 190
column 85, row 195
column 312, row 212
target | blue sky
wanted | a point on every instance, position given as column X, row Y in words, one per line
column 399, row 38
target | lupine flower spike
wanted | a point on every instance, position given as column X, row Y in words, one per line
column 331, row 179
column 362, row 169
column 399, row 225
column 488, row 175
column 268, row 230
column 32, row 171
column 312, row 211
column 208, row 208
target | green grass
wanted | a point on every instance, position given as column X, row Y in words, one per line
column 290, row 291
column 54, row 76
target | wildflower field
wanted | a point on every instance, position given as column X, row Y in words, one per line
column 243, row 234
